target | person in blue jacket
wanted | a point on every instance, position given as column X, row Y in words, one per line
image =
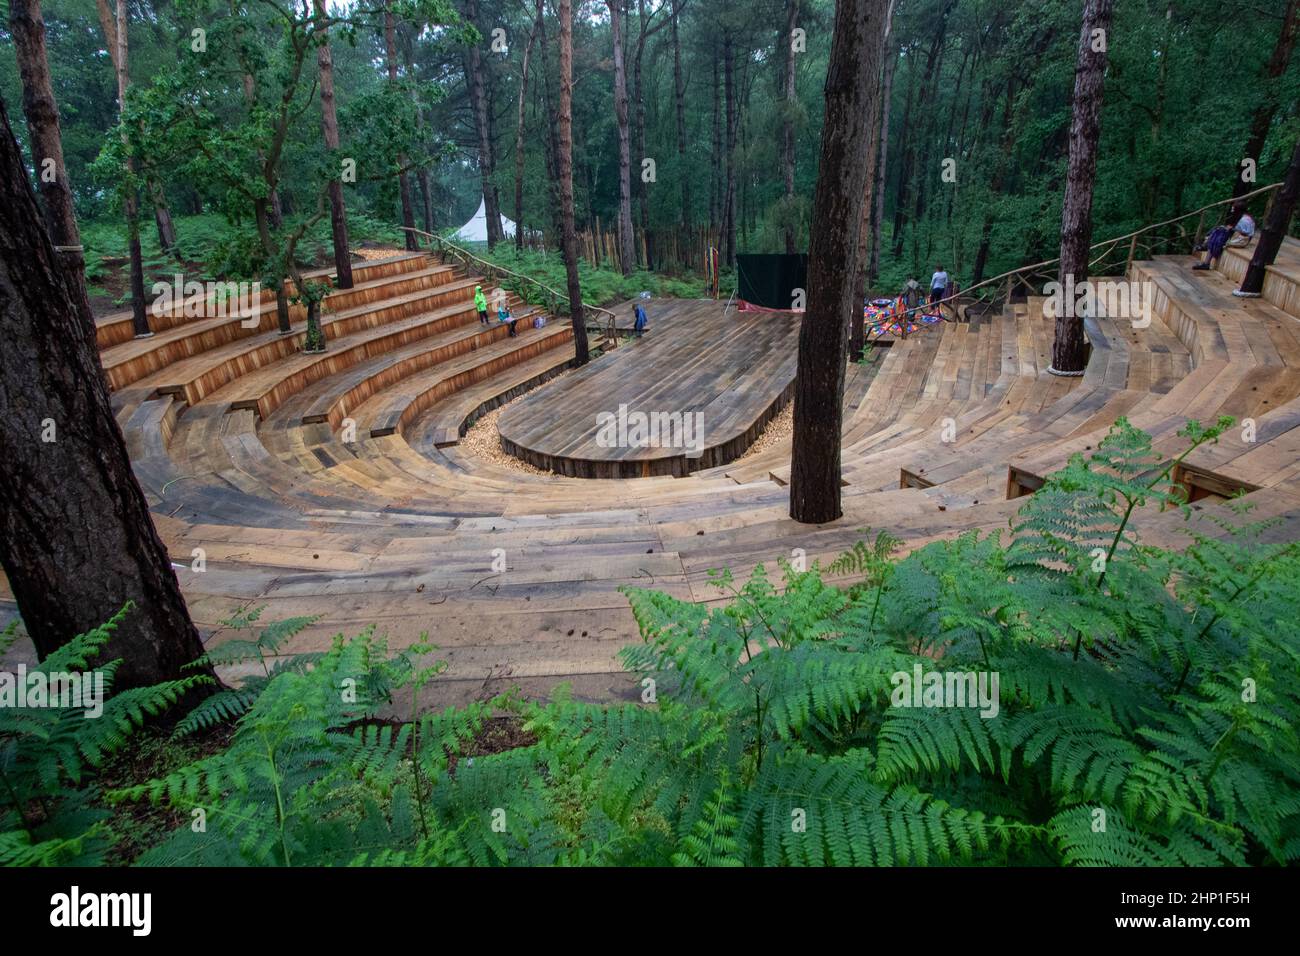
column 639, row 326
column 503, row 315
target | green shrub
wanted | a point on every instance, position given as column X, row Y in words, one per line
column 600, row 286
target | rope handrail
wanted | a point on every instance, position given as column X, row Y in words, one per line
column 490, row 269
column 1109, row 244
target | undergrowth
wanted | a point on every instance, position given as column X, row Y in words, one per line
column 1144, row 711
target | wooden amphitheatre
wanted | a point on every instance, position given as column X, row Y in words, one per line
column 240, row 441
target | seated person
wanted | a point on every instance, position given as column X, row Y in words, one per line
column 503, row 315
column 1237, row 230
column 911, row 294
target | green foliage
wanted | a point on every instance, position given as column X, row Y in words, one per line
column 600, row 286
column 230, row 703
column 1120, row 704
column 47, row 752
column 224, row 250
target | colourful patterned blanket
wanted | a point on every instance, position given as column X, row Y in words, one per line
column 885, row 317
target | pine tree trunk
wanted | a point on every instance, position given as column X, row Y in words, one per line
column 787, row 126
column 564, row 133
column 1262, row 118
column 551, row 140
column 906, row 151
column 519, row 133
column 330, row 131
column 27, row 27
column 479, row 104
column 130, row 201
column 403, row 180
column 162, row 215
column 679, row 91
column 856, row 318
column 852, row 87
column 426, row 194
column 1070, row 348
column 995, row 186
column 715, row 180
column 76, row 538
column 641, row 190
column 882, row 163
column 423, row 180
column 1275, row 226
column 918, row 159
column 729, row 193
column 626, row 250
column 262, row 220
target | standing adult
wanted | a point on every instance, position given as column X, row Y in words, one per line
column 938, row 285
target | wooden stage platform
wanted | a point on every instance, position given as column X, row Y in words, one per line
column 694, row 393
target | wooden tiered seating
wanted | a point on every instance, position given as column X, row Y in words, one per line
column 239, row 446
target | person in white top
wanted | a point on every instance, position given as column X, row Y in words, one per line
column 938, row 284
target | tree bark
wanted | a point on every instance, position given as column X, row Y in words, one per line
column 882, row 163
column 1070, row 347
column 330, row 131
column 679, row 91
column 715, row 180
column 564, row 157
column 1262, row 118
column 645, row 32
column 519, row 132
column 729, row 193
column 486, row 159
column 852, row 87
column 42, row 112
column 1275, row 226
column 162, row 215
column 423, row 180
column 906, row 150
column 76, row 538
column 403, row 180
column 995, row 186
column 161, row 212
column 856, row 318
column 626, row 248
column 915, row 174
column 551, row 140
column 130, row 201
column 787, row 125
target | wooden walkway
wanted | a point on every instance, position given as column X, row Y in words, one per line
column 706, row 384
column 337, row 486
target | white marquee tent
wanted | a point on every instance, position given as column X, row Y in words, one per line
column 476, row 229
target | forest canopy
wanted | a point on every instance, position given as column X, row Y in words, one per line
column 974, row 157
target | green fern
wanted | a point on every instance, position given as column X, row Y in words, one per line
column 49, row 815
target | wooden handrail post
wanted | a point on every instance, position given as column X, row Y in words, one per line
column 1132, row 250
